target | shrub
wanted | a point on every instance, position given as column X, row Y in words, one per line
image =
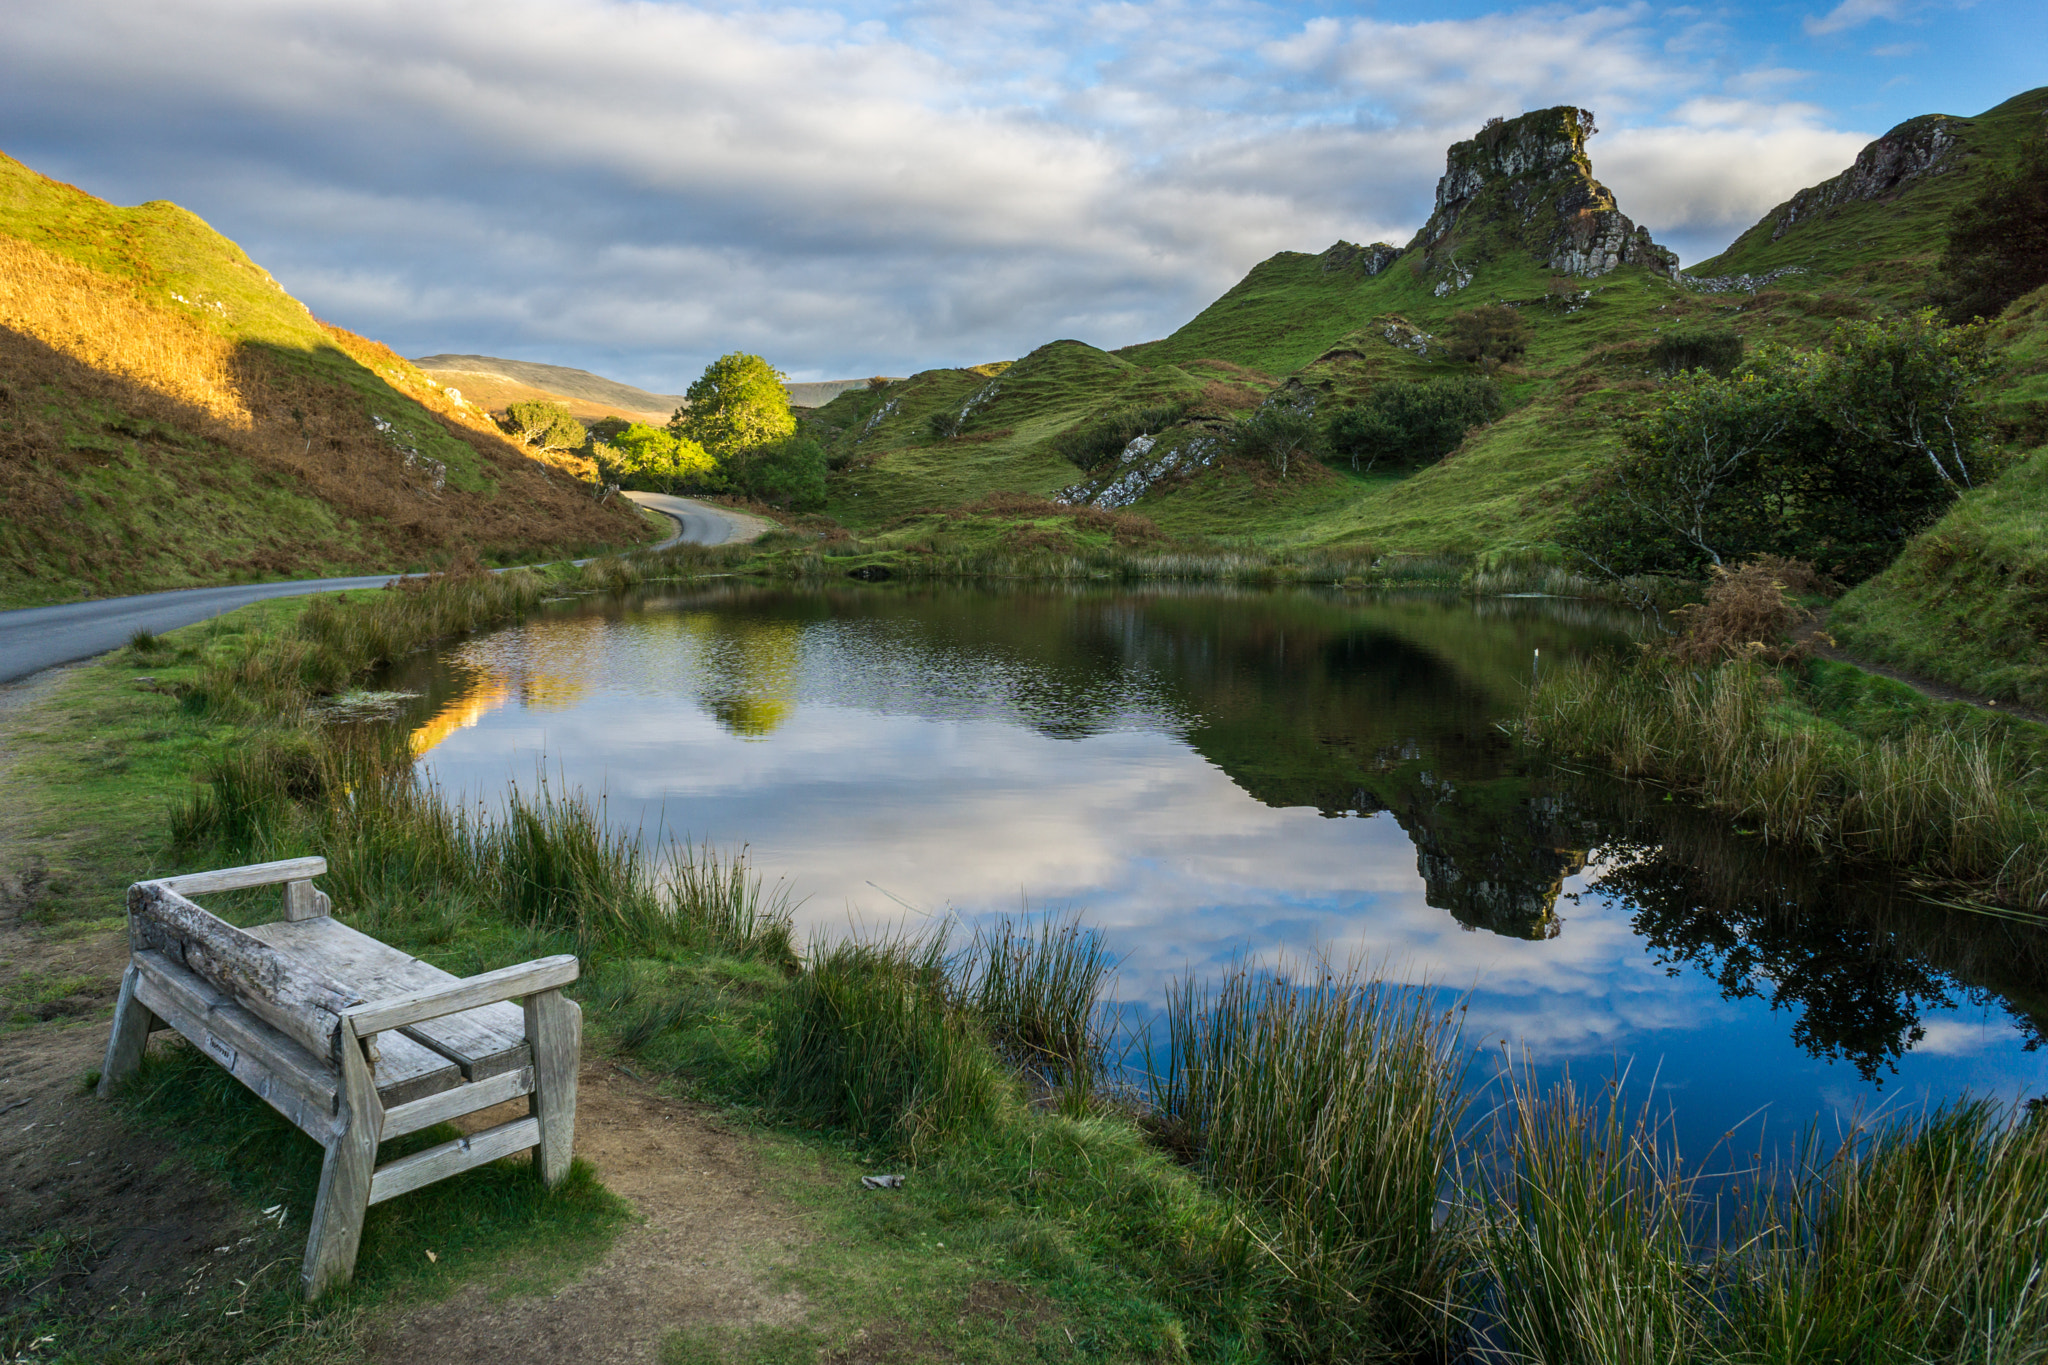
column 944, row 425
column 1105, row 436
column 1412, row 424
column 1274, row 435
column 786, row 473
column 1491, row 335
column 543, row 425
column 1716, row 352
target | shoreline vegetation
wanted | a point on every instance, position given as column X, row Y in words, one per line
column 1300, row 1178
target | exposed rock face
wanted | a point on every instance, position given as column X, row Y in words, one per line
column 1526, row 182
column 1916, row 148
column 1367, row 260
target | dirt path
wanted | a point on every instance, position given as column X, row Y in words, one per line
column 1816, row 638
column 700, row 1257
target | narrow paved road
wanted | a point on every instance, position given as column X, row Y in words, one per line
column 37, row 638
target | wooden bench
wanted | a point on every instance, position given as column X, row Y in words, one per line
column 351, row 1040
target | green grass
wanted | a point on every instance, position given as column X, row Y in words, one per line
column 1967, row 600
column 1886, row 246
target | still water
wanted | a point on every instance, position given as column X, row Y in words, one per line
column 1210, row 777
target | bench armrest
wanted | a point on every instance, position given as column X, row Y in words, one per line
column 507, row 983
column 237, row 878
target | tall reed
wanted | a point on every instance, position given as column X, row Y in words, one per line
column 1583, row 1237
column 870, row 1041
column 1957, row 806
column 1334, row 1102
column 1036, row 990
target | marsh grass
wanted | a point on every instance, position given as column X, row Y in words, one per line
column 1037, row 990
column 1582, row 1236
column 870, row 1041
column 1954, row 805
column 1333, row 1100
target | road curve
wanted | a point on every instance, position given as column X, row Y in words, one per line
column 36, row 638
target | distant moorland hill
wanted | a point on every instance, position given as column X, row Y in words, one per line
column 169, row 416
column 587, row 395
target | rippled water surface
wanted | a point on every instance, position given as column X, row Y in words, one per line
column 1211, row 776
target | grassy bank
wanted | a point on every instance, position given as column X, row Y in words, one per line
column 1298, row 1184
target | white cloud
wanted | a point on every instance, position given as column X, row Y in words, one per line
column 638, row 186
column 1852, row 14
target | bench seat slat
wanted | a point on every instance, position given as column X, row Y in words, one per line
column 484, row 1042
column 405, row 1071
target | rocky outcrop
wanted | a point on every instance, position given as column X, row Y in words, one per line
column 1917, row 148
column 1363, row 260
column 1526, row 183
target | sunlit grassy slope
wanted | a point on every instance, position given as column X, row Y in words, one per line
column 169, row 416
column 1323, row 323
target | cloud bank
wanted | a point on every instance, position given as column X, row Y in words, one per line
column 638, row 187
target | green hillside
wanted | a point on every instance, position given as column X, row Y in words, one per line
column 170, row 416
column 1521, row 221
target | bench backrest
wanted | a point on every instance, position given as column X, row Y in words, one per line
column 304, row 1004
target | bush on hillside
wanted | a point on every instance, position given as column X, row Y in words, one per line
column 944, row 425
column 1836, row 456
column 1100, row 439
column 641, row 456
column 543, row 425
column 1411, row 424
column 1716, row 352
column 1276, row 435
column 787, row 473
column 1998, row 240
column 1491, row 335
column 1749, row 613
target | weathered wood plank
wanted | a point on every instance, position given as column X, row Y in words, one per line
column 303, row 900
column 554, row 1024
column 237, row 878
column 280, row 1072
column 462, row 1099
column 484, row 1042
column 452, row 1158
column 405, row 1071
column 506, row 983
column 346, row 1177
column 292, row 997
column 128, row 1037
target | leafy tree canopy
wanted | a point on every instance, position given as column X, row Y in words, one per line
column 786, row 473
column 543, row 425
column 739, row 401
column 1835, row 456
column 1412, row 424
column 641, row 456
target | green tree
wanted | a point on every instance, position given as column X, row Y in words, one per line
column 1836, row 456
column 641, row 456
column 1411, row 424
column 738, row 402
column 1277, row 434
column 543, row 425
column 786, row 473
column 1998, row 240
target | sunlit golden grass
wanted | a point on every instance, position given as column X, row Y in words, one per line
column 104, row 322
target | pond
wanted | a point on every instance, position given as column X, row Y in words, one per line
column 1211, row 777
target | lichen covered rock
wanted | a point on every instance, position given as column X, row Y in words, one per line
column 1526, row 184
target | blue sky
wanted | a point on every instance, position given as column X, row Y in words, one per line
column 638, row 187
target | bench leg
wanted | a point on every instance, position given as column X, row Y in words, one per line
column 133, row 1022
column 344, row 1177
column 554, row 1028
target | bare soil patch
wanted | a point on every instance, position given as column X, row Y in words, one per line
column 702, row 1256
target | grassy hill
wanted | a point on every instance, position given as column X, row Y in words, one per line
column 170, row 416
column 1520, row 220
